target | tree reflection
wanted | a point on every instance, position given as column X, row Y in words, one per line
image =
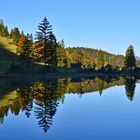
column 46, row 104
column 100, row 85
column 3, row 113
column 15, row 107
column 28, row 109
column 130, row 84
column 25, row 99
column 43, row 97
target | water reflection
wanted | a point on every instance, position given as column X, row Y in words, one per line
column 130, row 84
column 41, row 98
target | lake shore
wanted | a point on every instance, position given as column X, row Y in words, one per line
column 67, row 75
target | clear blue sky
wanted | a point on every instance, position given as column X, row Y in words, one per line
column 108, row 24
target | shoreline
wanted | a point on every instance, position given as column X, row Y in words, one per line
column 67, row 75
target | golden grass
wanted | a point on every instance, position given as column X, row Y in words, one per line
column 6, row 43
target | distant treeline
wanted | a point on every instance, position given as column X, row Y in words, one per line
column 90, row 58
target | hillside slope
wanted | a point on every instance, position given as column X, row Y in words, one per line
column 89, row 57
column 7, row 50
column 86, row 56
column 7, row 54
column 6, row 43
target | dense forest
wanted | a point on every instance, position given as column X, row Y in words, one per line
column 90, row 58
column 45, row 50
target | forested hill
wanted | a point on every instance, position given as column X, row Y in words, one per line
column 92, row 57
column 15, row 45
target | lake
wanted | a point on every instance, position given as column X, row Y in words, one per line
column 100, row 108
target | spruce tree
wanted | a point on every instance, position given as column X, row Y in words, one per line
column 45, row 46
column 130, row 60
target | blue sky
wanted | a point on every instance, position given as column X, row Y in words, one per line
column 111, row 25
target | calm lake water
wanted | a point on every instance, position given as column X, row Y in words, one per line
column 71, row 109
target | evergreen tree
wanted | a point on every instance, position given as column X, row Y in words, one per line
column 30, row 44
column 45, row 46
column 51, row 50
column 11, row 33
column 5, row 32
column 15, row 35
column 30, row 38
column 130, row 61
column 61, row 54
column 1, row 28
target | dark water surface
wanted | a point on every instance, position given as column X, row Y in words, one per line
column 100, row 108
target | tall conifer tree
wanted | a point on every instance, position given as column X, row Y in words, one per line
column 130, row 60
column 45, row 46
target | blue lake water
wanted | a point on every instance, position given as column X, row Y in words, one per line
column 108, row 115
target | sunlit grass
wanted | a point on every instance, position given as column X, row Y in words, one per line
column 7, row 44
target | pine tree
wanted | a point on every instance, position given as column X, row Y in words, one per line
column 130, row 60
column 45, row 46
